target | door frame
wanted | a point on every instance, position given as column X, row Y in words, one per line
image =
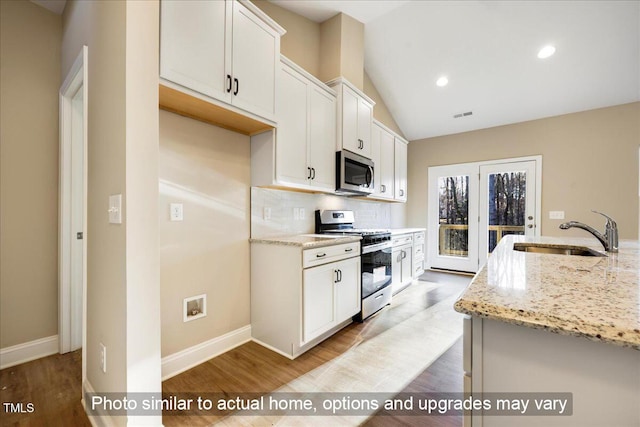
column 432, row 230
column 69, row 325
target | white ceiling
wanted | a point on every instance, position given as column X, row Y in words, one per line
column 488, row 51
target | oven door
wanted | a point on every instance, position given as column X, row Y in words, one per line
column 376, row 268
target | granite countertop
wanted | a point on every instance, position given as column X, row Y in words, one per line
column 395, row 231
column 307, row 241
column 593, row 297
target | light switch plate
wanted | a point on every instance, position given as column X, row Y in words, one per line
column 303, row 213
column 266, row 214
column 175, row 212
column 115, row 209
column 556, row 214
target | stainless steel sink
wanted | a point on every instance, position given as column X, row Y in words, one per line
column 543, row 248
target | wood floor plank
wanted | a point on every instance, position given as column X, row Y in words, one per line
column 53, row 384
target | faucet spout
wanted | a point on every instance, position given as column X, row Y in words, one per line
column 593, row 231
column 609, row 239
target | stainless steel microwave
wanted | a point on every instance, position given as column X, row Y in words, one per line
column 354, row 174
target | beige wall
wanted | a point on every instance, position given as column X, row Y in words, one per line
column 29, row 83
column 123, row 307
column 318, row 48
column 301, row 43
column 589, row 161
column 207, row 169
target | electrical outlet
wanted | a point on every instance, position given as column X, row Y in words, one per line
column 175, row 212
column 296, row 214
column 266, row 214
column 302, row 213
column 556, row 214
column 103, row 358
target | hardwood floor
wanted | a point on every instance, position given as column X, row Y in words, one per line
column 53, row 384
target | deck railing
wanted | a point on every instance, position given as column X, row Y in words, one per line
column 453, row 238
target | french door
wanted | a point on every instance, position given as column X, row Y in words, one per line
column 473, row 205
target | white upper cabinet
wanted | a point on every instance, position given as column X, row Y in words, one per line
column 227, row 50
column 355, row 115
column 383, row 155
column 400, row 169
column 195, row 45
column 300, row 154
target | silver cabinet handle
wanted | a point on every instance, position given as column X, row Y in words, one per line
column 401, row 192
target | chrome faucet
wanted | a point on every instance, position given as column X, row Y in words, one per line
column 610, row 238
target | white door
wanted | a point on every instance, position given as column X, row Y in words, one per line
column 256, row 49
column 365, row 115
column 322, row 139
column 291, row 135
column 195, row 47
column 473, row 205
column 507, row 203
column 318, row 300
column 350, row 121
column 453, row 217
column 347, row 289
column 400, row 161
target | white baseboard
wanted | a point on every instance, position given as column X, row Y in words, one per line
column 186, row 359
column 97, row 420
column 28, row 351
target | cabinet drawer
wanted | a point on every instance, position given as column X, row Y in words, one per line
column 419, row 237
column 402, row 239
column 418, row 250
column 319, row 256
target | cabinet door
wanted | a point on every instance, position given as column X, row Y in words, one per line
column 291, row 134
column 385, row 168
column 365, row 116
column 195, row 47
column 322, row 139
column 407, row 265
column 376, row 131
column 347, row 289
column 256, row 49
column 400, row 170
column 350, row 101
column 318, row 314
column 396, row 269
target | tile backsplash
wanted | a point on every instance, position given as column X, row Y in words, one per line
column 281, row 205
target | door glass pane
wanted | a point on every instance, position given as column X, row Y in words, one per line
column 453, row 194
column 506, row 205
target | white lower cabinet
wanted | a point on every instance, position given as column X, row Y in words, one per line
column 301, row 297
column 418, row 253
column 330, row 295
column 401, row 262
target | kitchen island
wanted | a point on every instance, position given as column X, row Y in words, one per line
column 556, row 323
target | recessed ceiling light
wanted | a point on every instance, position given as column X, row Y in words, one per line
column 546, row 52
column 442, row 81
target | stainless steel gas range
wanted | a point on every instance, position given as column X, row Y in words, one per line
column 375, row 258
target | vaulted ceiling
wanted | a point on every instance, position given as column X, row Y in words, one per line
column 488, row 51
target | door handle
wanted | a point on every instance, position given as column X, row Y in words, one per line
column 309, row 170
column 237, row 82
column 229, row 83
column 313, row 173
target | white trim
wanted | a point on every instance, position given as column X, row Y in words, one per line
column 272, row 348
column 102, row 420
column 181, row 361
column 77, row 79
column 28, row 351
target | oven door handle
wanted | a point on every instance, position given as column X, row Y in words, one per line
column 376, row 247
